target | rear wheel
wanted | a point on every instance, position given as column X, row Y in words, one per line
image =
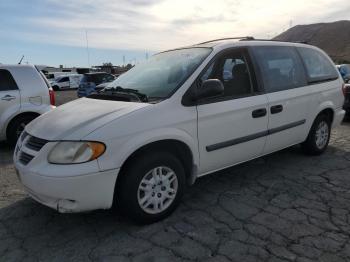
column 319, row 135
column 16, row 127
column 151, row 187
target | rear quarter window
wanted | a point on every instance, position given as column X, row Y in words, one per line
column 7, row 82
column 280, row 67
column 318, row 66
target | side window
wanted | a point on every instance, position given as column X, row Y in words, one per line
column 281, row 68
column 233, row 71
column 64, row 79
column 6, row 81
column 317, row 65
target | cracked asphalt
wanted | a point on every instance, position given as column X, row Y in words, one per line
column 282, row 207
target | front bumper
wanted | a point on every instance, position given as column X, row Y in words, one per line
column 66, row 188
column 71, row 194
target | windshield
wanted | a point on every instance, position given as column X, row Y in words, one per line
column 162, row 74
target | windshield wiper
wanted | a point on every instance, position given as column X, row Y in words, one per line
column 119, row 93
column 128, row 91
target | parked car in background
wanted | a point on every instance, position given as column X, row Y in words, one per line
column 67, row 82
column 139, row 142
column 24, row 95
column 345, row 72
column 90, row 81
column 346, row 90
column 53, row 75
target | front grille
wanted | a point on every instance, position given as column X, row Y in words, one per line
column 35, row 143
column 25, row 158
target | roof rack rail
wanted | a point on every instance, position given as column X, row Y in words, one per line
column 228, row 38
column 275, row 40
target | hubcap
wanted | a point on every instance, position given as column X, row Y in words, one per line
column 157, row 190
column 322, row 134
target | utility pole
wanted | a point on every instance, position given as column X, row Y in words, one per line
column 87, row 47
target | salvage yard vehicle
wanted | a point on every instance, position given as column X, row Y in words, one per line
column 67, row 82
column 178, row 116
column 91, row 81
column 345, row 72
column 24, row 95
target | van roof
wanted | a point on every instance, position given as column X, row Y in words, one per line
column 223, row 43
column 247, row 41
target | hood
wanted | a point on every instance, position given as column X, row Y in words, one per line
column 76, row 119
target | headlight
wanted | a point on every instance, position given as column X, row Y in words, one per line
column 75, row 152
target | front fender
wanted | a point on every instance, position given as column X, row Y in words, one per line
column 118, row 150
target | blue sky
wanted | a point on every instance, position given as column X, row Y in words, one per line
column 52, row 32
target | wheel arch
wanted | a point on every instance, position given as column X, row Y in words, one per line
column 175, row 146
column 21, row 114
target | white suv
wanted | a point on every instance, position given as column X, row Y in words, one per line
column 24, row 95
column 176, row 117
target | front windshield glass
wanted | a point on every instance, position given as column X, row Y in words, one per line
column 163, row 73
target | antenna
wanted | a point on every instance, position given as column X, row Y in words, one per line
column 87, row 47
column 20, row 61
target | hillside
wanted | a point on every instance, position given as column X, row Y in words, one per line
column 334, row 38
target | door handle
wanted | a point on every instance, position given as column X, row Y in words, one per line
column 259, row 113
column 8, row 98
column 276, row 109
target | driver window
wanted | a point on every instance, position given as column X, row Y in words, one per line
column 232, row 70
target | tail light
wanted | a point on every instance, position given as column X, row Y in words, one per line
column 52, row 96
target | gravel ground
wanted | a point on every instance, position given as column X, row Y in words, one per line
column 282, row 207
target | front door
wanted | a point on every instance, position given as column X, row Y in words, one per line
column 231, row 128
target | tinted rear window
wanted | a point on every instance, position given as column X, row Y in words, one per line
column 318, row 66
column 281, row 68
column 6, row 81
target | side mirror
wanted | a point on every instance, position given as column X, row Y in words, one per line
column 210, row 88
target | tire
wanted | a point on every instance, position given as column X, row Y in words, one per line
column 130, row 194
column 16, row 127
column 55, row 88
column 319, row 135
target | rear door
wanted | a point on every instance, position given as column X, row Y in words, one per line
column 289, row 98
column 231, row 128
column 10, row 100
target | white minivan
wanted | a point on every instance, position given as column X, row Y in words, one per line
column 139, row 142
column 24, row 95
column 66, row 82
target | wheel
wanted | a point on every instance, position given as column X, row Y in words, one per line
column 55, row 88
column 16, row 127
column 151, row 187
column 319, row 135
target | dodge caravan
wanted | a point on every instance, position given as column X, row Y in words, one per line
column 178, row 116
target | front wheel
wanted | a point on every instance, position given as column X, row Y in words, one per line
column 319, row 135
column 16, row 127
column 151, row 187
